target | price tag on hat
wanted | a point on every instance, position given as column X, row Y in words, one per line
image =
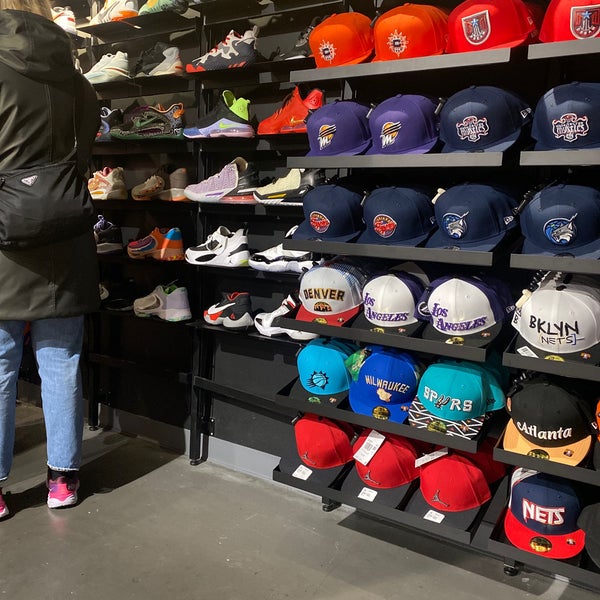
column 367, row 494
column 302, row 472
column 433, row 515
column 369, row 447
column 426, row 458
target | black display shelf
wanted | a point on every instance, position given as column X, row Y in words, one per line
column 576, row 473
column 244, row 146
column 183, row 377
column 248, row 273
column 259, row 210
column 567, row 49
column 567, row 264
column 151, row 205
column 147, row 146
column 135, row 87
column 279, row 71
column 560, row 158
column 250, row 333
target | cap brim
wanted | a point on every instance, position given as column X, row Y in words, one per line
column 561, row 546
column 572, row 454
column 360, row 149
column 499, row 146
column 306, row 232
column 591, row 250
column 299, row 392
column 459, row 338
column 440, row 240
column 370, row 237
column 362, row 58
column 353, row 487
column 361, row 322
column 337, row 319
column 421, row 418
column 397, row 413
column 423, row 149
column 590, row 356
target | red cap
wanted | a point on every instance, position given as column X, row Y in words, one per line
column 323, row 443
column 344, row 39
column 454, row 484
column 409, row 31
column 570, row 20
column 391, row 466
column 477, row 25
column 484, row 459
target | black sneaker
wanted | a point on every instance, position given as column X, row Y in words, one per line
column 233, row 311
column 118, row 295
column 291, row 189
column 108, row 118
column 109, row 239
column 301, row 48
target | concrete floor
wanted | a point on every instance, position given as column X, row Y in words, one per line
column 150, row 526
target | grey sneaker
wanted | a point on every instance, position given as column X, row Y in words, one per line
column 167, row 302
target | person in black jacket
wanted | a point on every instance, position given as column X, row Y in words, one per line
column 51, row 287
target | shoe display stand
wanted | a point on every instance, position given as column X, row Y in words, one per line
column 241, row 387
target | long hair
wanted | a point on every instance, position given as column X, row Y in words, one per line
column 39, row 7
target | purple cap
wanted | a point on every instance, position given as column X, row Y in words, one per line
column 404, row 124
column 482, row 118
column 339, row 128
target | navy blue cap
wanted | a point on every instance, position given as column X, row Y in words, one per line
column 482, row 118
column 473, row 216
column 332, row 213
column 397, row 216
column 567, row 117
column 339, row 128
column 404, row 124
column 563, row 219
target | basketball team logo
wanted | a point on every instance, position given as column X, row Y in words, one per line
column 319, row 222
column 389, row 133
column 455, row 225
column 384, row 226
column 472, row 128
column 570, row 127
column 585, row 21
column 325, row 135
column 477, row 27
column 397, row 42
column 561, row 231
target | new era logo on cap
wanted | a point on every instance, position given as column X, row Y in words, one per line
column 570, row 20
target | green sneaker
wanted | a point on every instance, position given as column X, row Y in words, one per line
column 153, row 6
column 152, row 122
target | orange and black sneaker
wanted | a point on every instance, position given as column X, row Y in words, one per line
column 291, row 117
column 162, row 244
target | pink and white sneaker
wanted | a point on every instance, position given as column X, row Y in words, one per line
column 62, row 492
column 3, row 508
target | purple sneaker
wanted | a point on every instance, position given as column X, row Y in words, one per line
column 3, row 508
column 233, row 178
column 62, row 492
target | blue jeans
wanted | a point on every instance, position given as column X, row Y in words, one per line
column 57, row 347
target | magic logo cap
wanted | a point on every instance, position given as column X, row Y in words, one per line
column 338, row 128
column 410, row 31
column 570, row 20
column 562, row 220
column 479, row 25
column 404, row 124
column 473, row 216
column 482, row 119
column 342, row 39
column 397, row 216
column 548, row 422
column 567, row 117
column 542, row 515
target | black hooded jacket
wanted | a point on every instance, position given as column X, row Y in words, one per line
column 38, row 85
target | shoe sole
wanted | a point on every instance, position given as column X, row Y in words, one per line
column 55, row 503
column 244, row 323
column 173, row 195
column 219, row 261
column 292, row 266
column 109, row 248
column 162, row 254
column 110, row 196
column 166, row 315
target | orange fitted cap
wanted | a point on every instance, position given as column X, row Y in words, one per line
column 342, row 39
column 409, row 31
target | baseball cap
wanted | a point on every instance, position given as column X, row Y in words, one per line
column 397, row 216
column 454, row 398
column 338, row 128
column 482, row 118
column 542, row 515
column 589, row 522
column 342, row 39
column 464, row 310
column 561, row 321
column 570, row 20
column 331, row 293
column 548, row 422
column 481, row 25
column 322, row 370
column 562, row 220
column 473, row 216
column 385, row 385
column 410, row 31
column 567, row 117
column 404, row 124
column 332, row 213
column 389, row 302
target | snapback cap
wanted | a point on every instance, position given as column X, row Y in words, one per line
column 567, row 117
column 482, row 119
column 570, row 20
column 542, row 515
column 589, row 522
column 473, row 216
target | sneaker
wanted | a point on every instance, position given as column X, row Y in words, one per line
column 111, row 67
column 243, row 192
column 162, row 244
column 153, row 6
column 222, row 248
column 229, row 118
column 152, row 122
column 264, row 322
column 161, row 59
column 291, row 117
column 278, row 260
column 119, row 296
column 232, row 178
column 4, row 512
column 115, row 10
column 62, row 491
column 167, row 302
column 64, row 17
column 108, row 184
column 290, row 189
column 234, row 51
column 108, row 118
column 109, row 239
column 301, row 48
column 149, row 189
column 176, row 180
column 234, row 311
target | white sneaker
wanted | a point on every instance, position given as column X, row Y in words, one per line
column 222, row 248
column 108, row 184
column 114, row 10
column 167, row 302
column 175, row 183
column 290, row 189
column 64, row 17
column 172, row 64
column 264, row 321
column 111, row 67
column 278, row 260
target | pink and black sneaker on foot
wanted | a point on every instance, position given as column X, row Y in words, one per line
column 62, row 492
column 3, row 508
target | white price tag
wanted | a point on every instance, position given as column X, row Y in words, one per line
column 367, row 494
column 369, row 447
column 433, row 515
column 525, row 351
column 423, row 460
column 302, row 472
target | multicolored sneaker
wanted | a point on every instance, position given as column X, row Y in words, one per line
column 64, row 17
column 108, row 118
column 108, row 236
column 265, row 322
column 291, row 117
column 161, row 59
column 108, row 184
column 153, row 6
column 290, row 189
column 4, row 512
column 161, row 244
column 233, row 311
column 62, row 492
column 167, row 302
column 234, row 51
column 229, row 118
column 223, row 248
column 115, row 10
column 153, row 122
